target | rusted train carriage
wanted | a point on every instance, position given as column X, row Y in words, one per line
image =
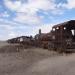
column 63, row 36
column 25, row 41
column 42, row 39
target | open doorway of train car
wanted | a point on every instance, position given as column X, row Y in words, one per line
column 73, row 35
column 70, row 37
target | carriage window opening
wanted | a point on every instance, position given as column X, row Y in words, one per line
column 21, row 39
column 57, row 28
column 73, row 32
column 64, row 28
column 53, row 29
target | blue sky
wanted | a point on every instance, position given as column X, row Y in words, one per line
column 26, row 17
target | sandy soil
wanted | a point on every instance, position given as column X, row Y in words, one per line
column 3, row 43
column 36, row 61
column 18, row 63
column 60, row 65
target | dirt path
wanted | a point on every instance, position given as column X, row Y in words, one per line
column 36, row 62
column 60, row 65
column 18, row 63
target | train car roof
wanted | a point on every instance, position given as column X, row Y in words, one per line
column 69, row 24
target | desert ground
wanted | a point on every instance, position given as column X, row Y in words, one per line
column 35, row 61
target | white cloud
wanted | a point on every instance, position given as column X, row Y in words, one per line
column 11, row 35
column 28, row 19
column 70, row 4
column 5, row 14
column 6, row 27
column 7, row 30
column 31, row 6
column 44, row 29
column 12, row 5
column 10, row 31
column 27, row 12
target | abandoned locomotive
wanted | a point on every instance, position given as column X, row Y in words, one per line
column 60, row 38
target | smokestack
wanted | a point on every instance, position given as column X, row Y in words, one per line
column 40, row 31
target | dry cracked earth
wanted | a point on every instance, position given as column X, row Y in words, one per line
column 36, row 61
